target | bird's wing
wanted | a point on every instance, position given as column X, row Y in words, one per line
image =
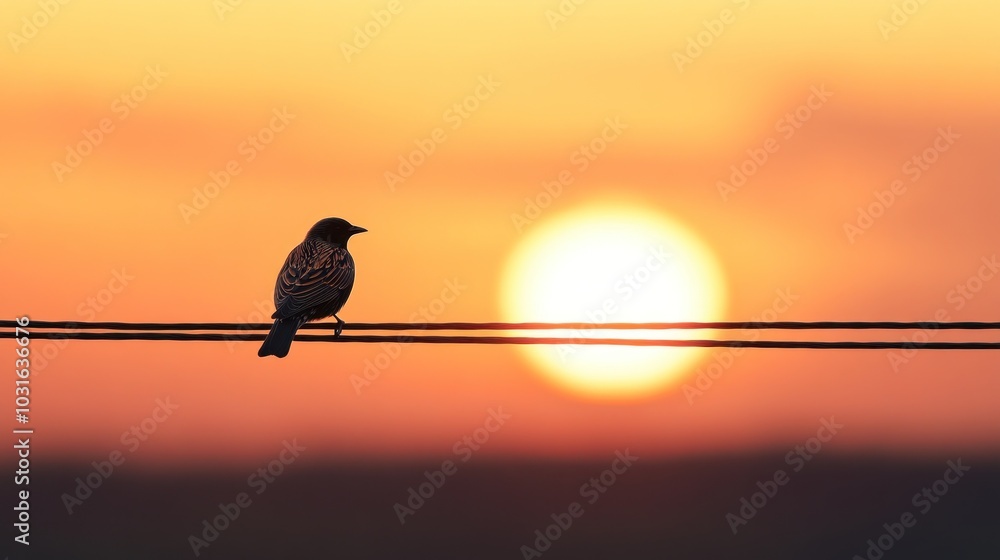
column 314, row 273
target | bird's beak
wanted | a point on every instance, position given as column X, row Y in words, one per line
column 357, row 229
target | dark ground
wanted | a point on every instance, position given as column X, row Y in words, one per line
column 662, row 510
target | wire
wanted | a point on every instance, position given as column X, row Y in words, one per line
column 432, row 339
column 719, row 325
column 60, row 330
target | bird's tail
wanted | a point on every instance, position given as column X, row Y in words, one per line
column 279, row 340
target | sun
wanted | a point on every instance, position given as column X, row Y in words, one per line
column 612, row 264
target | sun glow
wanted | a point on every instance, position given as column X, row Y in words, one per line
column 602, row 265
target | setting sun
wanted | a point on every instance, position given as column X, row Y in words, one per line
column 617, row 264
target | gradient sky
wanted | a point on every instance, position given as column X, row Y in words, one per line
column 214, row 78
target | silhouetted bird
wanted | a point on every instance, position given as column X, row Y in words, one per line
column 314, row 283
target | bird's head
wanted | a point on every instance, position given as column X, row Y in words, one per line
column 334, row 230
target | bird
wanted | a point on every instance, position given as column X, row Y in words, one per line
column 314, row 283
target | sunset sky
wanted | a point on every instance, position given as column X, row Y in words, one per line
column 877, row 201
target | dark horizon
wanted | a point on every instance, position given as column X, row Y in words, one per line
column 490, row 509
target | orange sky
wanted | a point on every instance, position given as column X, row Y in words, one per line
column 199, row 83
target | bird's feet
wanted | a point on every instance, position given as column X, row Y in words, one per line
column 340, row 326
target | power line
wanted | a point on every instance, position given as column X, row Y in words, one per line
column 433, row 339
column 466, row 326
column 84, row 330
